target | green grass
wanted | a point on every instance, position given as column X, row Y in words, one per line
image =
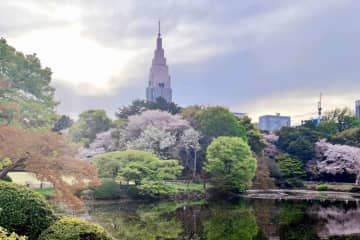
column 46, row 192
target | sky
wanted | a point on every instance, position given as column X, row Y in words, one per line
column 254, row 56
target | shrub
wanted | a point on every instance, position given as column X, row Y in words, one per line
column 24, row 211
column 322, row 187
column 6, row 179
column 74, row 229
column 355, row 189
column 4, row 235
column 109, row 189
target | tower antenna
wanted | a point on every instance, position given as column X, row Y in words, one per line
column 159, row 29
column 320, row 107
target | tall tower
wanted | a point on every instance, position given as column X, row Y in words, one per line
column 159, row 78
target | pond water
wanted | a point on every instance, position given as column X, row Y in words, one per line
column 244, row 219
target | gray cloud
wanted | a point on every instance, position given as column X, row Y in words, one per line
column 243, row 54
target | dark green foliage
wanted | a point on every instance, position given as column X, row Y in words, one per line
column 231, row 165
column 349, row 136
column 290, row 167
column 219, row 121
column 74, row 229
column 343, row 118
column 299, row 142
column 302, row 148
column 109, row 189
column 6, row 178
column 63, row 123
column 355, row 190
column 89, row 124
column 139, row 106
column 290, row 171
column 23, row 211
column 27, row 98
column 255, row 138
column 25, row 72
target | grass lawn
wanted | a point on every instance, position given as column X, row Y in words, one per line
column 22, row 178
column 345, row 187
column 46, row 192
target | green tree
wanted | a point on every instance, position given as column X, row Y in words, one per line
column 290, row 167
column 139, row 106
column 145, row 169
column 64, row 122
column 349, row 136
column 255, row 138
column 344, row 118
column 302, row 148
column 298, row 141
column 231, row 165
column 89, row 124
column 219, row 121
column 27, row 94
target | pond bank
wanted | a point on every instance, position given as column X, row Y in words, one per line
column 299, row 194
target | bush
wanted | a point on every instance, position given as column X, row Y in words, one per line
column 322, row 187
column 290, row 183
column 74, row 229
column 4, row 235
column 24, row 211
column 109, row 189
column 6, row 179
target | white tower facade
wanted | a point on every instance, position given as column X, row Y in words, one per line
column 159, row 78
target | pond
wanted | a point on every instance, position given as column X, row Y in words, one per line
column 244, row 219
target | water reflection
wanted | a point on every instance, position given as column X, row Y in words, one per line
column 245, row 219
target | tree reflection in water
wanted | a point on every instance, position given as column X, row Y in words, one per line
column 246, row 220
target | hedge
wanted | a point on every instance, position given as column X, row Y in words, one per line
column 68, row 228
column 24, row 211
column 4, row 235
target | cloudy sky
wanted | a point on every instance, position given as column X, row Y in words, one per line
column 253, row 56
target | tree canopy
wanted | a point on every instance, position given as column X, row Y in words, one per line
column 230, row 164
column 219, row 121
column 26, row 97
column 145, row 169
column 89, row 124
column 139, row 106
column 47, row 156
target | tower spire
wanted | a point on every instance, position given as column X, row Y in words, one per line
column 159, row 34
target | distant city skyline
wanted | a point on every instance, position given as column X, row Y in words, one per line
column 253, row 56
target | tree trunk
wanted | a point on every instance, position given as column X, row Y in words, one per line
column 6, row 170
column 194, row 169
column 357, row 179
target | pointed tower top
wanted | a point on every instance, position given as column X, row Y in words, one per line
column 159, row 34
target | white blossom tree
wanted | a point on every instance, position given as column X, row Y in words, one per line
column 160, row 132
column 337, row 159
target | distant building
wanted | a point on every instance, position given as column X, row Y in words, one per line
column 239, row 115
column 273, row 123
column 357, row 108
column 159, row 78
